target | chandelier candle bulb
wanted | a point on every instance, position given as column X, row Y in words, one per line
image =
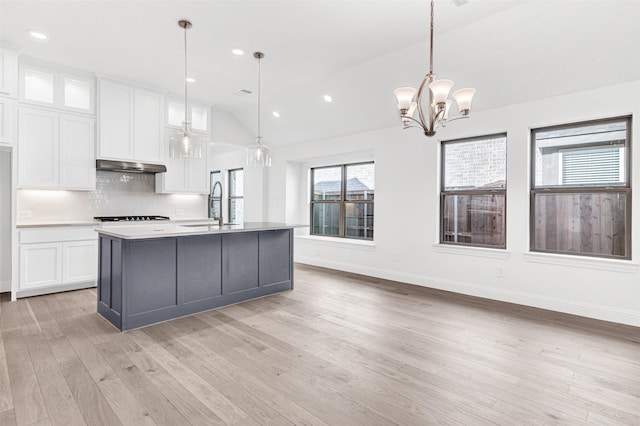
column 464, row 97
column 440, row 90
column 405, row 96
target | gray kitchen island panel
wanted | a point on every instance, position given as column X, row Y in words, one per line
column 240, row 262
column 274, row 263
column 143, row 281
column 200, row 272
column 152, row 274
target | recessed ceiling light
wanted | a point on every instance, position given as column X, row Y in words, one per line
column 328, row 98
column 38, row 35
column 191, row 80
column 276, row 114
column 237, row 52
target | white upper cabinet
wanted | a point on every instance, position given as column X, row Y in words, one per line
column 197, row 114
column 7, row 121
column 130, row 123
column 184, row 176
column 55, row 150
column 38, row 148
column 147, row 125
column 56, row 89
column 8, row 73
column 115, row 120
column 77, row 152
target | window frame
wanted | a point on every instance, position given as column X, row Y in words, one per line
column 581, row 189
column 489, row 191
column 230, row 197
column 342, row 202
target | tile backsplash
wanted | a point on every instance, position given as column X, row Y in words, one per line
column 116, row 194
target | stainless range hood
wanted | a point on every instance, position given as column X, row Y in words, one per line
column 129, row 167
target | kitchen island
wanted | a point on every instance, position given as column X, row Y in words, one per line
column 157, row 272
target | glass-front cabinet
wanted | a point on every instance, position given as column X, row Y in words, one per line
column 197, row 114
column 53, row 88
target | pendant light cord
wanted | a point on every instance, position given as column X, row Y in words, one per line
column 431, row 42
column 185, row 77
column 259, row 133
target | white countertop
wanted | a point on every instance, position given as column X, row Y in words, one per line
column 171, row 229
column 44, row 224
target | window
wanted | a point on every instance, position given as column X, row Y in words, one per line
column 473, row 192
column 342, row 201
column 580, row 191
column 236, row 196
column 215, row 203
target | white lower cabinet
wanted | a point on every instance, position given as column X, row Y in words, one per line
column 79, row 261
column 40, row 265
column 57, row 259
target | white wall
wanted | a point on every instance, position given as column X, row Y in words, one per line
column 5, row 221
column 407, row 208
column 255, row 179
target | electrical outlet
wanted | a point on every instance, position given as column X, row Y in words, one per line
column 179, row 212
column 500, row 272
column 24, row 214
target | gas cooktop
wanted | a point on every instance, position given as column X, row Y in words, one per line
column 130, row 219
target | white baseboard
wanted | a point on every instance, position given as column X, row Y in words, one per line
column 604, row 313
column 5, row 286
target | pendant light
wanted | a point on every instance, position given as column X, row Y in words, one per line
column 259, row 154
column 184, row 143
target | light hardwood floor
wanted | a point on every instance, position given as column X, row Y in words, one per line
column 340, row 349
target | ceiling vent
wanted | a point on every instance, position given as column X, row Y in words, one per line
column 242, row 92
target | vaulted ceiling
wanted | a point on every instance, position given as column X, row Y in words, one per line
column 357, row 51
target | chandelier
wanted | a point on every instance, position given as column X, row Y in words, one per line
column 184, row 143
column 437, row 112
column 259, row 154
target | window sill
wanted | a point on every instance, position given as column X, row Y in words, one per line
column 625, row 266
column 339, row 242
column 471, row 251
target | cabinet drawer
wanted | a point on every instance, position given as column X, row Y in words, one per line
column 57, row 234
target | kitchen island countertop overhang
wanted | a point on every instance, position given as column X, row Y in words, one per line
column 153, row 273
column 173, row 229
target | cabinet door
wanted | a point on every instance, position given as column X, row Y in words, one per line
column 200, row 118
column 198, row 177
column 80, row 261
column 78, row 93
column 239, row 262
column 37, row 148
column 7, row 120
column 115, row 112
column 37, row 85
column 275, row 256
column 198, row 115
column 77, row 154
column 40, row 265
column 8, row 73
column 176, row 176
column 147, row 119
